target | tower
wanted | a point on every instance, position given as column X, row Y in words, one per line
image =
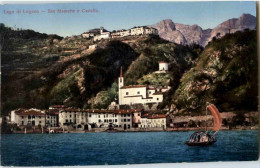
column 120, row 84
column 101, row 30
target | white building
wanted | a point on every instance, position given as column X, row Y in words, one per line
column 31, row 117
column 115, row 118
column 138, row 94
column 163, row 66
column 153, row 121
column 143, row 30
column 85, row 35
column 92, row 47
column 103, row 35
column 77, row 118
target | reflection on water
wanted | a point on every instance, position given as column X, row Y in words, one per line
column 123, row 148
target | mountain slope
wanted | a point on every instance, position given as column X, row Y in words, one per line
column 225, row 74
column 186, row 34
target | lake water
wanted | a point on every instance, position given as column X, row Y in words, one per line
column 123, row 148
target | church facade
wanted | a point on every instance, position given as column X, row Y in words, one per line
column 138, row 94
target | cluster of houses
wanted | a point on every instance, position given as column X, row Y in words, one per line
column 99, row 34
column 87, row 119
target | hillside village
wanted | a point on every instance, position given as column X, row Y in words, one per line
column 99, row 34
column 128, row 80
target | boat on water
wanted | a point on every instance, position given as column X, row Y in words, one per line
column 207, row 137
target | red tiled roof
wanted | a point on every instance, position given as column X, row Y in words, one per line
column 53, row 112
column 59, row 106
column 31, row 112
column 133, row 86
column 155, row 116
column 17, row 111
column 116, row 111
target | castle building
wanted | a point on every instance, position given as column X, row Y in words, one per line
column 138, row 94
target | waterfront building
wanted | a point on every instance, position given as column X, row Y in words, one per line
column 76, row 118
column 153, row 121
column 115, row 118
column 52, row 118
column 31, row 117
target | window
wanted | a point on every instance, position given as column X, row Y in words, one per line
column 128, row 120
column 126, row 93
column 40, row 122
column 115, row 115
column 98, row 116
column 70, row 115
column 124, row 120
column 115, row 120
column 157, row 98
column 149, row 92
column 138, row 114
column 138, row 92
column 128, row 115
column 40, row 117
column 89, row 115
column 99, row 120
column 110, row 120
column 22, row 122
column 124, row 115
column 22, row 117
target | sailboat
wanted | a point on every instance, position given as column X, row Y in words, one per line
column 205, row 138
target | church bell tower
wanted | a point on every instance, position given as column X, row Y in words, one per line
column 120, row 84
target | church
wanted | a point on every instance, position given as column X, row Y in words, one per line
column 140, row 94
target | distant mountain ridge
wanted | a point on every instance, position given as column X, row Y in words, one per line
column 188, row 34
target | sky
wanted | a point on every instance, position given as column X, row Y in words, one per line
column 120, row 15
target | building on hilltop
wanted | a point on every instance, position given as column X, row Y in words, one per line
column 139, row 94
column 104, row 34
column 142, row 30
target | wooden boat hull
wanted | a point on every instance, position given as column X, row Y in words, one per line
column 199, row 143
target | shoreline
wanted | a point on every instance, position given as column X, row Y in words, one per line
column 136, row 130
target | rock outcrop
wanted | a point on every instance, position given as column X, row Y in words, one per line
column 186, row 34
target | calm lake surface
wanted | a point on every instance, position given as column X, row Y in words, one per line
column 123, row 148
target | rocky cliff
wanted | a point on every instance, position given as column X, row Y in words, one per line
column 186, row 34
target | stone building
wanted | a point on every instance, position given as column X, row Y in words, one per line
column 142, row 30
